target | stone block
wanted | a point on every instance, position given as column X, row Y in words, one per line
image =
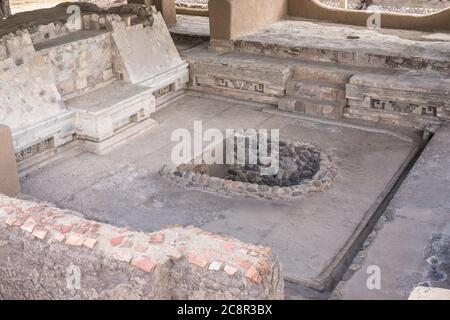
column 148, row 56
column 410, row 99
column 110, row 110
column 231, row 18
column 9, row 181
column 237, row 75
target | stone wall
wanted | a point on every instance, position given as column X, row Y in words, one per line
column 49, row 31
column 29, row 95
column 48, row 253
column 44, row 65
column 230, row 18
column 9, row 181
column 142, row 62
column 81, row 64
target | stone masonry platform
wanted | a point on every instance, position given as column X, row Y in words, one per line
column 106, row 115
column 313, row 239
column 328, row 42
column 326, row 70
column 349, row 45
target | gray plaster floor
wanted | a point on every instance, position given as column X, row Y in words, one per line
column 124, row 187
column 419, row 229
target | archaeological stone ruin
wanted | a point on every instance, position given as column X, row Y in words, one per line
column 353, row 104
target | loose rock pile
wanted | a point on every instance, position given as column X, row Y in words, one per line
column 297, row 163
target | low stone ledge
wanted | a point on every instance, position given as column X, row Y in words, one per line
column 42, row 248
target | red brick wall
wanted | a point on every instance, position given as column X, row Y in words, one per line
column 118, row 263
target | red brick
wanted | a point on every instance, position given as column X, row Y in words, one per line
column 11, row 221
column 253, row 275
column 66, row 228
column 19, row 222
column 243, row 263
column 28, row 226
column 116, row 241
column 40, row 233
column 197, row 260
column 229, row 245
column 90, row 243
column 156, row 238
column 75, row 240
column 144, row 263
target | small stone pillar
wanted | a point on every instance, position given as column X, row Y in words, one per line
column 9, row 180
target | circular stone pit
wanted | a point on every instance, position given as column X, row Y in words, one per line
column 303, row 170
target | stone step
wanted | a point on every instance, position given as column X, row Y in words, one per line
column 324, row 72
column 313, row 107
column 109, row 115
column 316, row 90
column 81, row 61
column 404, row 98
column 238, row 75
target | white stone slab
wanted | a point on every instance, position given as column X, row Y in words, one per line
column 102, row 112
column 148, row 56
